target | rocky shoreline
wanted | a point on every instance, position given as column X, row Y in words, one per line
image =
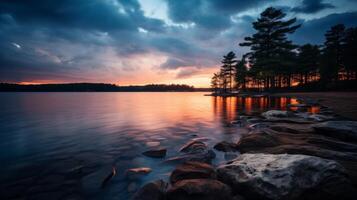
column 286, row 155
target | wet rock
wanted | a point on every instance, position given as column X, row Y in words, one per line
column 156, row 153
column 152, row 191
column 314, row 117
column 192, row 170
column 194, row 146
column 136, row 173
column 284, row 176
column 205, row 156
column 225, row 146
column 286, row 116
column 273, row 114
column 292, row 128
column 269, row 141
column 97, row 179
column 258, row 125
column 199, row 189
column 254, row 120
column 194, row 150
column 346, row 130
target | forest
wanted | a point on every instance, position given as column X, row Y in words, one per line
column 275, row 63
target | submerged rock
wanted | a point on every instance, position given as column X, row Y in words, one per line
column 225, row 146
column 193, row 146
column 152, row 191
column 284, row 176
column 199, row 189
column 157, row 153
column 135, row 173
column 194, row 151
column 192, row 170
column 346, row 130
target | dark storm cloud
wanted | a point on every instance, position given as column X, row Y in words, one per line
column 313, row 31
column 210, row 14
column 80, row 14
column 312, row 6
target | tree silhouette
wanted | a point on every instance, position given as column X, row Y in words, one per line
column 229, row 61
column 332, row 53
column 307, row 62
column 271, row 52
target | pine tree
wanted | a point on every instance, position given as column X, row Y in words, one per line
column 332, row 53
column 350, row 52
column 307, row 62
column 241, row 73
column 271, row 50
column 229, row 61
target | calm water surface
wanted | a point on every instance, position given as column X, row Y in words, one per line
column 62, row 145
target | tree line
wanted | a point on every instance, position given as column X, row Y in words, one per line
column 94, row 87
column 275, row 62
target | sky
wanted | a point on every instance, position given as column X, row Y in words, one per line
column 136, row 42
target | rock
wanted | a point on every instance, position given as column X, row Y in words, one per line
column 194, row 151
column 225, row 146
column 286, row 116
column 272, row 114
column 269, row 141
column 193, row 146
column 135, row 173
column 284, row 176
column 157, row 153
column 258, row 125
column 314, row 117
column 254, row 120
column 292, row 128
column 199, row 189
column 205, row 156
column 345, row 130
column 152, row 191
column 192, row 170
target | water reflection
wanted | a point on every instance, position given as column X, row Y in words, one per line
column 228, row 109
column 68, row 141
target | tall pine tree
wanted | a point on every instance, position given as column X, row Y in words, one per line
column 272, row 52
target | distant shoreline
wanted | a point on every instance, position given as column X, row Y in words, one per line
column 98, row 87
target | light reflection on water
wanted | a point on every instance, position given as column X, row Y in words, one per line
column 63, row 144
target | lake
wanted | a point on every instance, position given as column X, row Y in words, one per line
column 62, row 145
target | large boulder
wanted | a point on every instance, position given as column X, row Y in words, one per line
column 273, row 142
column 199, row 189
column 284, row 176
column 346, row 130
column 225, row 146
column 192, row 170
column 151, row 191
